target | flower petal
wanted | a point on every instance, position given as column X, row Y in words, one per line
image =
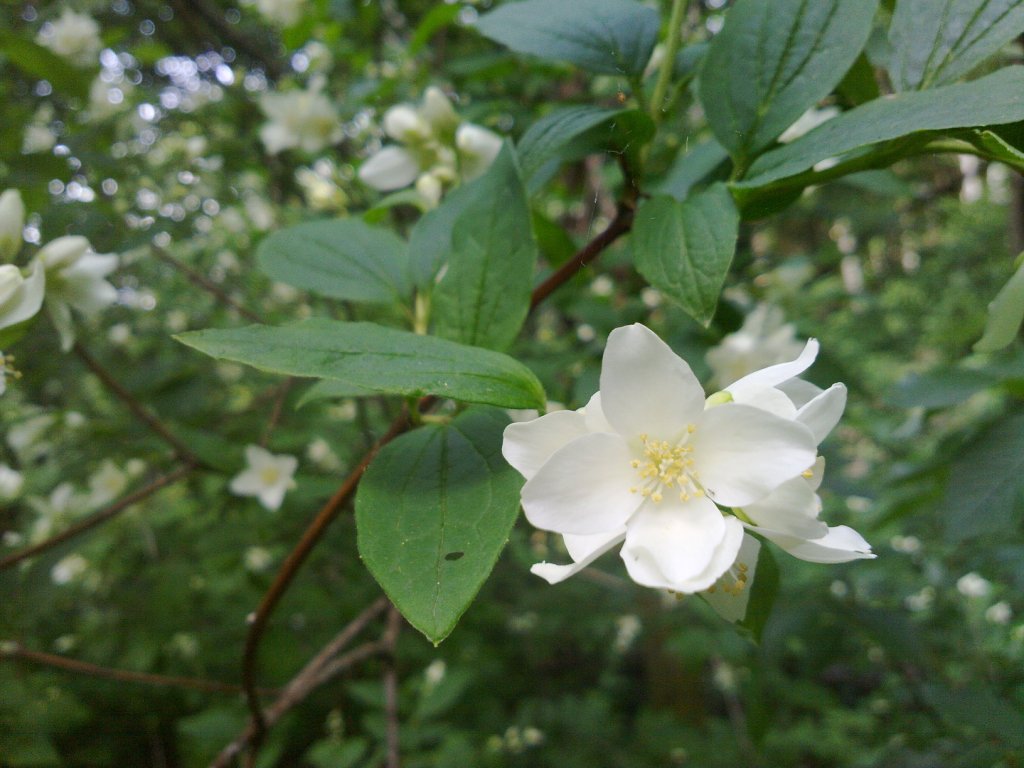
column 671, row 544
column 528, row 444
column 582, row 547
column 769, row 399
column 246, row 483
column 741, row 453
column 728, row 602
column 840, row 545
column 391, row 168
column 583, row 488
column 553, row 573
column 272, row 496
column 822, row 413
column 799, row 391
column 646, row 387
column 595, row 418
column 774, row 375
column 790, row 509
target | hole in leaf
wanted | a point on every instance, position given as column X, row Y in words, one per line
column 454, row 555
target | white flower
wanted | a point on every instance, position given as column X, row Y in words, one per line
column 11, row 482
column 647, row 464
column 20, row 296
column 999, row 613
column 69, row 569
column 283, row 13
column 304, row 119
column 12, row 222
column 75, row 36
column 436, row 148
column 764, row 339
column 973, row 585
column 258, row 559
column 268, row 476
column 75, row 280
column 37, row 138
column 107, row 484
column 788, row 515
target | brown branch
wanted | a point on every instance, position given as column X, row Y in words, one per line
column 320, row 669
column 17, row 652
column 135, row 406
column 205, row 283
column 97, row 518
column 619, row 226
column 292, row 564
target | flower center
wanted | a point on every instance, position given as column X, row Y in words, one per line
column 270, row 475
column 666, row 466
column 733, row 581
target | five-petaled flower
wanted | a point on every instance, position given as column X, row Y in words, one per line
column 675, row 478
column 267, row 477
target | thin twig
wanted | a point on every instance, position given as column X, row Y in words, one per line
column 18, row 652
column 292, row 564
column 205, row 283
column 98, row 517
column 321, row 668
column 135, row 406
column 390, row 680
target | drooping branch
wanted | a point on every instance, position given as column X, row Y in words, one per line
column 97, row 518
column 205, row 283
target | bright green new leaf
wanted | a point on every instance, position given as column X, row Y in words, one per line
column 378, row 359
column 986, row 481
column 1005, row 314
column 484, row 294
column 433, row 512
column 684, row 249
column 774, row 60
column 937, row 41
column 342, row 259
column 613, row 37
column 992, row 100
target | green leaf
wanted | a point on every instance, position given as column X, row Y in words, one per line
column 38, row 62
column 995, row 147
column 613, row 37
column 985, row 482
column 692, row 168
column 433, row 512
column 547, row 137
column 937, row 41
column 342, row 259
column 1005, row 314
column 439, row 17
column 940, row 388
column 764, row 589
column 484, row 295
column 377, row 359
column 774, row 60
column 992, row 100
column 684, row 249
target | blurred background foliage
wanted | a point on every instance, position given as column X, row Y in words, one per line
column 913, row 659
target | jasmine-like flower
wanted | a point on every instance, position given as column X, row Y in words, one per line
column 75, row 279
column 764, row 339
column 20, row 296
column 435, row 149
column 75, row 36
column 303, row 119
column 646, row 464
column 267, row 477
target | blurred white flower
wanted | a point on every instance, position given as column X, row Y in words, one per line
column 999, row 613
column 75, row 36
column 437, row 149
column 75, row 279
column 20, row 296
column 12, row 222
column 283, row 13
column 973, row 585
column 627, row 629
column 267, row 477
column 647, row 464
column 764, row 339
column 434, row 673
column 304, row 119
column 321, row 190
column 11, row 482
column 258, row 559
column 108, row 483
column 37, row 138
column 320, row 453
column 69, row 569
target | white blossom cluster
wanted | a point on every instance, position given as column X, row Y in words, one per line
column 65, row 275
column 300, row 119
column 436, row 148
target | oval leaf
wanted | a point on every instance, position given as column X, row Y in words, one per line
column 1005, row 315
column 342, row 259
column 433, row 512
column 684, row 249
column 374, row 358
column 613, row 37
column 774, row 60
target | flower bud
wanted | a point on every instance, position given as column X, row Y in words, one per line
column 12, row 222
column 438, row 111
column 477, row 149
column 63, row 252
column 429, row 187
column 403, row 124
